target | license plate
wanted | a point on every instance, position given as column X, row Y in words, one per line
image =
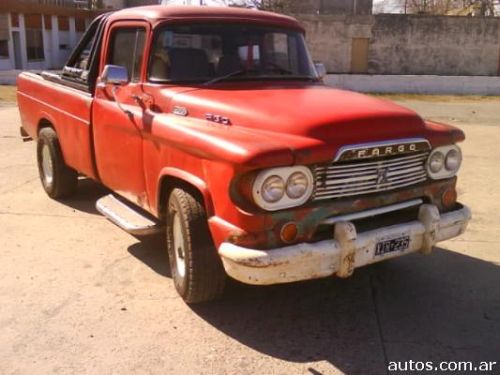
column 390, row 246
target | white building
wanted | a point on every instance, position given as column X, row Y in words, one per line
column 39, row 36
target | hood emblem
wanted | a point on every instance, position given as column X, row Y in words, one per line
column 382, row 149
column 382, row 176
column 180, row 111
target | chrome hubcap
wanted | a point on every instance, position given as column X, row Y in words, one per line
column 47, row 165
column 179, row 246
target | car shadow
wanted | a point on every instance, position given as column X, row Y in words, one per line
column 422, row 308
column 442, row 307
column 89, row 191
column 152, row 252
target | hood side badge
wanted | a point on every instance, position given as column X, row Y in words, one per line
column 180, row 111
column 218, row 119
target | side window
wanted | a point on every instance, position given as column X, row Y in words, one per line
column 80, row 67
column 82, row 61
column 127, row 49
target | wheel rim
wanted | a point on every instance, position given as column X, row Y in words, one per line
column 180, row 260
column 47, row 165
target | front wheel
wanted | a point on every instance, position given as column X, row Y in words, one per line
column 58, row 180
column 196, row 267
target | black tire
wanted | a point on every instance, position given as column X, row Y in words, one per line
column 62, row 181
column 196, row 268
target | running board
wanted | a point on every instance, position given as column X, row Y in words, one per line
column 126, row 217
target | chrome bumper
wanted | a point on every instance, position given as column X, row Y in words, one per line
column 342, row 254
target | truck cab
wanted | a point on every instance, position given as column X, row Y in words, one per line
column 213, row 126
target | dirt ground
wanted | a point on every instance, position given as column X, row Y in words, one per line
column 7, row 94
column 80, row 296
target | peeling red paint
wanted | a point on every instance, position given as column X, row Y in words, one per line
column 309, row 217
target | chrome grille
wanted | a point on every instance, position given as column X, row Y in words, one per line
column 345, row 179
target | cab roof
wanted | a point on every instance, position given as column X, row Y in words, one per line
column 156, row 13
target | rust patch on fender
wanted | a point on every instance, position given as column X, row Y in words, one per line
column 308, row 217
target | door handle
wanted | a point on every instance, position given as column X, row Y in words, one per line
column 143, row 100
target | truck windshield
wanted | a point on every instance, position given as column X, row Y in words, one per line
column 216, row 52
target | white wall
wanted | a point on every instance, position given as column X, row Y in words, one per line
column 24, row 53
column 79, row 36
column 394, row 84
column 6, row 64
column 54, row 41
column 64, row 39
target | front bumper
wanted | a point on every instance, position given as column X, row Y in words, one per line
column 342, row 254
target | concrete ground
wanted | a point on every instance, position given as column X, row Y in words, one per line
column 79, row 296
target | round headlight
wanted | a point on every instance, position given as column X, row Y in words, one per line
column 273, row 189
column 436, row 162
column 453, row 160
column 297, row 185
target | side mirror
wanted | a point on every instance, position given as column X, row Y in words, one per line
column 320, row 70
column 114, row 75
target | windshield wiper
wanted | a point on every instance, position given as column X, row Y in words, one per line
column 226, row 76
column 284, row 75
column 278, row 67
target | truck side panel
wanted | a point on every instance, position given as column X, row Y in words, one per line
column 67, row 109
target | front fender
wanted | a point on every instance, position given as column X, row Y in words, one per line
column 220, row 143
column 195, row 181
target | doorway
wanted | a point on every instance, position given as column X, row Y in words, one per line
column 359, row 55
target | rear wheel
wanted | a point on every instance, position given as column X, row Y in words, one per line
column 58, row 180
column 196, row 267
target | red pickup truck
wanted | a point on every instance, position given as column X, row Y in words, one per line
column 213, row 126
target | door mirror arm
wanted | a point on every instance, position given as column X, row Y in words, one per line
column 116, row 76
column 120, row 105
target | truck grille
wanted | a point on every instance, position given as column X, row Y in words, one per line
column 343, row 179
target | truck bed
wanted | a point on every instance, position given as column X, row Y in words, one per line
column 45, row 99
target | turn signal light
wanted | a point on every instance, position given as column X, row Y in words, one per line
column 449, row 197
column 289, row 232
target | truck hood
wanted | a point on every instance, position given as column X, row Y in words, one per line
column 304, row 117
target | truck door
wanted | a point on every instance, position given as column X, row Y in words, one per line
column 118, row 124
